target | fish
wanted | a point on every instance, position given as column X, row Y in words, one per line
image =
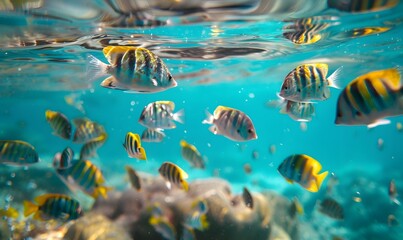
column 163, row 227
column 296, row 207
column 59, row 123
column 133, row 177
column 133, row 146
column 173, row 174
column 192, row 155
column 392, row 221
column 152, row 135
column 399, row 126
column 90, row 148
column 304, row 170
column 361, row 32
column 159, row 114
column 331, row 208
column 9, row 212
column 17, row 153
column 362, row 6
column 132, row 69
column 392, row 190
column 231, row 123
column 188, row 233
column 299, row 111
column 86, row 130
column 247, row 198
column 247, row 168
column 380, row 144
column 53, row 206
column 63, row 160
column 197, row 218
column 370, row 98
column 308, row 82
column 304, row 31
column 87, row 177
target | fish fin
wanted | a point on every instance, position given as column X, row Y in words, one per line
column 110, row 82
column 289, row 180
column 379, row 122
column 154, row 82
column 12, row 213
column 37, row 216
column 101, row 190
column 334, row 79
column 178, row 116
column 312, row 186
column 142, row 154
column 213, row 129
column 95, row 68
column 283, row 109
column 204, row 222
column 209, row 119
column 320, row 178
column 278, row 103
column 30, row 208
column 185, row 185
column 395, row 200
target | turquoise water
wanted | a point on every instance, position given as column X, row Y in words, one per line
column 227, row 56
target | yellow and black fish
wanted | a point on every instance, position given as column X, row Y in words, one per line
column 309, row 82
column 368, row 99
column 86, row 130
column 192, row 155
column 362, row 6
column 133, row 146
column 59, row 123
column 89, row 149
column 305, row 30
column 63, row 160
column 361, row 32
column 19, row 153
column 132, row 68
column 53, row 206
column 84, row 175
column 331, row 208
column 173, row 174
column 134, row 178
column 304, row 170
column 231, row 123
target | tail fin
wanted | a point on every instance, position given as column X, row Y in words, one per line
column 204, row 222
column 209, row 119
column 334, row 79
column 95, row 68
column 142, row 155
column 320, row 178
column 101, row 190
column 179, row 116
column 30, row 208
column 185, row 185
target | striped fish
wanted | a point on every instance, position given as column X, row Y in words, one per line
column 9, row 212
column 85, row 176
column 247, row 198
column 304, row 170
column 231, row 123
column 19, row 153
column 331, row 208
column 53, row 206
column 368, row 99
column 89, row 149
column 362, row 6
column 86, row 130
column 59, row 123
column 159, row 114
column 173, row 174
column 304, row 30
column 152, row 135
column 308, row 82
column 299, row 111
column 63, row 160
column 192, row 155
column 132, row 68
column 134, row 178
column 133, row 146
column 362, row 32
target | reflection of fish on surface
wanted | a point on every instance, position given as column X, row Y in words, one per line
column 132, row 68
column 305, row 30
column 371, row 97
column 18, row 153
column 231, row 123
column 331, row 208
column 362, row 6
column 304, row 170
column 362, row 32
column 192, row 155
column 53, row 206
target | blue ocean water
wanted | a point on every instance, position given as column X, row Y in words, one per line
column 219, row 55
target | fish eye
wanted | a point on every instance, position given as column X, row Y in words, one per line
column 170, row 77
column 358, row 113
column 238, row 130
column 250, row 131
column 339, row 114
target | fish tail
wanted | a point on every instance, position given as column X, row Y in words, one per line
column 185, row 185
column 143, row 155
column 209, row 119
column 179, row 116
column 30, row 208
column 320, row 178
column 334, row 79
column 101, row 190
column 204, row 222
column 95, row 68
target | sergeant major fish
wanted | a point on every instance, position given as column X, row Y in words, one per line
column 331, row 208
column 59, row 123
column 192, row 155
column 53, row 206
column 159, row 114
column 133, row 146
column 86, row 130
column 231, row 123
column 368, row 99
column 19, row 153
column 304, row 170
column 173, row 174
column 308, row 82
column 63, row 160
column 132, row 68
column 152, row 135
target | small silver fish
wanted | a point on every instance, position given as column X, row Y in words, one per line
column 192, row 155
column 86, row 130
column 152, row 135
column 159, row 114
